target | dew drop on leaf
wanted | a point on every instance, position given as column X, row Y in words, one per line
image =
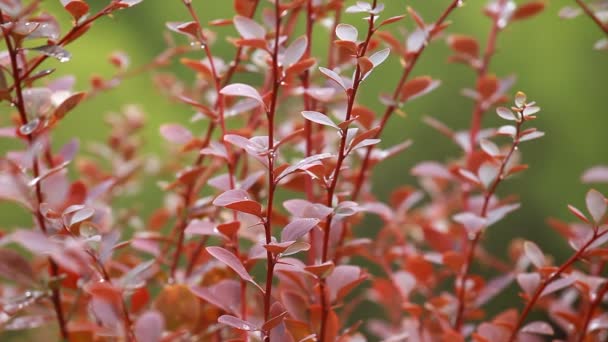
column 29, row 127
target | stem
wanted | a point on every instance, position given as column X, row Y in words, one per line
column 352, row 95
column 54, row 269
column 68, row 38
column 553, row 277
column 481, row 73
column 276, row 83
column 595, row 303
column 308, row 127
column 462, row 278
column 388, row 112
column 591, row 14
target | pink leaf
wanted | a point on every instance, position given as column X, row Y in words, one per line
column 175, row 133
column 298, row 228
column 295, row 51
column 534, row 253
column 431, row 169
column 149, row 327
column 240, row 89
column 538, row 327
column 231, row 261
column 347, row 32
column 333, row 76
column 528, row 282
column 597, row 174
column 596, row 205
column 319, row 118
column 237, row 323
column 249, row 29
column 471, row 222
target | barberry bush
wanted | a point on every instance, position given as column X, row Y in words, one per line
column 267, row 223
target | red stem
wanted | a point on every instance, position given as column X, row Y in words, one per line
column 276, row 83
column 20, row 104
column 388, row 112
column 591, row 14
column 462, row 279
column 352, row 95
column 481, row 73
column 553, row 277
column 595, row 303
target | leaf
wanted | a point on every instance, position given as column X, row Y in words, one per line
column 68, row 104
column 237, row 323
column 528, row 10
column 417, row 87
column 319, row 118
column 347, row 32
column 129, row 3
column 238, row 200
column 538, row 327
column 506, row 113
column 534, row 254
column 574, row 210
column 529, row 282
column 596, row 205
column 176, row 133
column 333, row 76
column 189, row 28
column 231, row 261
column 81, row 215
column 149, row 327
column 54, row 51
column 489, row 147
column 240, row 89
column 431, row 169
column 472, row 223
column 249, row 29
column 597, row 174
column 295, row 51
column 16, row 268
column 77, row 8
column 464, row 45
column 298, row 228
column 380, row 56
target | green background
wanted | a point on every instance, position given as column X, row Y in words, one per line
column 552, row 58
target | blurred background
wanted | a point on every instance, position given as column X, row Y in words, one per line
column 552, row 58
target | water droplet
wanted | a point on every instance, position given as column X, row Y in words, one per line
column 54, row 51
column 29, row 127
column 283, row 83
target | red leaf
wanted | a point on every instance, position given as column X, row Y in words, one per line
column 68, row 104
column 417, row 87
column 464, row 45
column 77, row 8
column 528, row 10
column 238, row 200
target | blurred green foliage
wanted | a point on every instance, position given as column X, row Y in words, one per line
column 552, row 58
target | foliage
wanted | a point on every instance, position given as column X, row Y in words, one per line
column 264, row 229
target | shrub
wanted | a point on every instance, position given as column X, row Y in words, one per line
column 258, row 236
